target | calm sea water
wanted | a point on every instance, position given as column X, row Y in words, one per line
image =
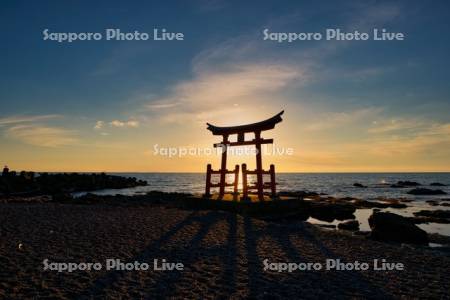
column 334, row 184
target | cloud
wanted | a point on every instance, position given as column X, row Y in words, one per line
column 333, row 120
column 244, row 75
column 99, row 125
column 161, row 105
column 215, row 92
column 26, row 119
column 27, row 129
column 430, row 142
column 43, row 136
column 250, row 73
column 395, row 125
column 320, row 158
column 123, row 124
column 407, row 139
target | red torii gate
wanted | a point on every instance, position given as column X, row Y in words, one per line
column 241, row 130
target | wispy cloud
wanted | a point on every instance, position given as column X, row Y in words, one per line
column 124, row 124
column 30, row 129
column 405, row 139
column 333, row 120
column 218, row 92
column 99, row 125
column 236, row 76
column 395, row 125
column 430, row 140
column 26, row 119
column 44, row 136
column 160, row 105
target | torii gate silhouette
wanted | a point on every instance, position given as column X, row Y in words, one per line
column 241, row 130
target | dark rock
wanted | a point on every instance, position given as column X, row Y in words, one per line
column 348, row 199
column 406, row 200
column 421, row 220
column 437, row 184
column 439, row 238
column 401, row 184
column 397, row 186
column 423, row 191
column 357, row 184
column 352, row 225
column 394, row 228
column 385, row 203
column 328, row 212
column 434, row 213
column 299, row 194
column 363, row 233
column 432, row 202
column 329, row 226
column 52, row 184
column 408, row 183
column 394, row 203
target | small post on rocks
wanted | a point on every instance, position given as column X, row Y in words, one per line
column 208, row 181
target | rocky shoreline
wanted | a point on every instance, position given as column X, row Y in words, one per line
column 321, row 207
column 223, row 252
column 26, row 183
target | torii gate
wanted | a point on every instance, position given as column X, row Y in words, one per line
column 241, row 130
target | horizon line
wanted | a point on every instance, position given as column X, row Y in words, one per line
column 201, row 172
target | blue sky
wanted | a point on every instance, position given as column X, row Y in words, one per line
column 88, row 97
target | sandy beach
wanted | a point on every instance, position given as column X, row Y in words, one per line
column 223, row 255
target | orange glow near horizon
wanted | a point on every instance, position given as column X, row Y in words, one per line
column 323, row 140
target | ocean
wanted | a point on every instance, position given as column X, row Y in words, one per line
column 333, row 184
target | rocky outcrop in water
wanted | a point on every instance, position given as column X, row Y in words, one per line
column 23, row 183
column 434, row 213
column 406, row 183
column 437, row 184
column 329, row 212
column 432, row 202
column 299, row 194
column 351, row 225
column 390, row 227
column 424, row 191
column 381, row 203
column 431, row 216
column 359, row 185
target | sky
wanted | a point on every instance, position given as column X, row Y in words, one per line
column 350, row 106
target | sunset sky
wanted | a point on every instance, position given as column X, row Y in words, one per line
column 350, row 106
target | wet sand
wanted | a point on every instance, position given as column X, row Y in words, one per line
column 222, row 252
